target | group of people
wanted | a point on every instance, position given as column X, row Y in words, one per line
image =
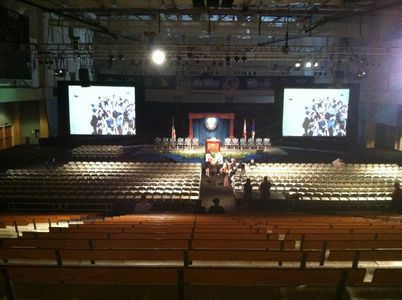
column 215, row 164
column 325, row 117
column 113, row 116
column 265, row 193
column 214, row 209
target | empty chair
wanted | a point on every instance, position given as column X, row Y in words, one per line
column 180, row 143
column 187, row 143
column 158, row 142
column 196, row 142
column 235, row 143
column 251, row 143
column 266, row 143
column 172, row 143
column 228, row 143
column 243, row 143
column 259, row 144
column 165, row 142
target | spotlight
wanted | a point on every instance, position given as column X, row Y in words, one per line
column 121, row 57
column 59, row 72
column 236, row 59
column 308, row 64
column 243, row 58
column 298, row 65
column 361, row 74
column 110, row 60
column 158, row 57
column 316, row 64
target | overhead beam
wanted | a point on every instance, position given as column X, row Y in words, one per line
column 67, row 15
column 197, row 11
column 352, row 13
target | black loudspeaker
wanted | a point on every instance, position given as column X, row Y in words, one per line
column 84, row 77
column 339, row 76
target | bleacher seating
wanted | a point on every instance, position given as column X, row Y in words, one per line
column 317, row 184
column 240, row 250
column 98, row 186
column 97, row 152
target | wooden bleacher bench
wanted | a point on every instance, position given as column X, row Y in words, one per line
column 257, row 255
column 242, row 244
column 387, row 277
column 66, row 235
column 23, row 254
column 356, row 256
column 270, row 276
column 45, row 243
column 121, row 255
column 230, row 236
column 140, row 244
column 92, row 275
column 351, row 244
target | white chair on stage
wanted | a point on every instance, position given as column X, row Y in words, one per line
column 228, row 143
column 195, row 142
column 266, row 143
column 235, row 143
column 243, row 143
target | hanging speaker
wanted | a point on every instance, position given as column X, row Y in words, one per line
column 83, row 75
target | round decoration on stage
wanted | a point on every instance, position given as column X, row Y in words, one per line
column 211, row 123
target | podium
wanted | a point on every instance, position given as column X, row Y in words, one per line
column 212, row 145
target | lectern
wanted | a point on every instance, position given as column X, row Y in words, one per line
column 212, row 145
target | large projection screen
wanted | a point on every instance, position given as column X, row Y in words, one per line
column 315, row 112
column 102, row 110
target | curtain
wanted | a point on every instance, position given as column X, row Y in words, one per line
column 221, row 132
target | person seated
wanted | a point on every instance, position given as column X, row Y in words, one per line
column 216, row 208
column 219, row 158
column 339, row 163
column 252, row 163
column 242, row 168
column 198, row 208
column 265, row 189
column 142, row 206
column 208, row 157
column 396, row 196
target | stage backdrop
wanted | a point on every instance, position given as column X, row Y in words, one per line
column 204, row 126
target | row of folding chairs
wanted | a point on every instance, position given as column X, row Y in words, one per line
column 97, row 151
column 250, row 143
column 176, row 143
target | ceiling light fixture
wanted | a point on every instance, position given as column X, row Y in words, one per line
column 158, row 56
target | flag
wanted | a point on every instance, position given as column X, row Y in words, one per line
column 245, row 129
column 173, row 130
column 253, row 131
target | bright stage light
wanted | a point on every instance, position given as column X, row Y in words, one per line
column 158, row 57
column 316, row 64
column 298, row 65
column 308, row 64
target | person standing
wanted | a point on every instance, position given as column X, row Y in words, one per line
column 265, row 189
column 265, row 193
column 247, row 189
column 397, row 198
column 216, row 208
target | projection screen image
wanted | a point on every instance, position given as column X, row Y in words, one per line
column 102, row 110
column 315, row 112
